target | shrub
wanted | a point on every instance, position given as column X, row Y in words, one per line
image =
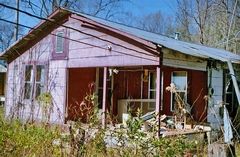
column 17, row 139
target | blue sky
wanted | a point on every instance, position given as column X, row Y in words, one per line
column 136, row 7
column 167, row 7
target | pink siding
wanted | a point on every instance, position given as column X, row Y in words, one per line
column 56, row 83
column 79, row 55
column 97, row 54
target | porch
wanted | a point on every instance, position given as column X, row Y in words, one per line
column 129, row 90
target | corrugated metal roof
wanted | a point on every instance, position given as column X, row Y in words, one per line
column 177, row 45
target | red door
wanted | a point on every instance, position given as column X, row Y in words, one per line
column 198, row 88
column 79, row 81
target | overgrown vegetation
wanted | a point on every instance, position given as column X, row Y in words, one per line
column 18, row 138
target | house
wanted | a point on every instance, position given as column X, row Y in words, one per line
column 71, row 55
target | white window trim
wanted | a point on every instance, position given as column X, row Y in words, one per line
column 151, row 90
column 171, row 102
column 155, row 90
column 41, row 82
column 29, row 82
column 33, row 81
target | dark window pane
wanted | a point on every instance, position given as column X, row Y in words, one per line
column 27, row 90
column 28, row 72
column 40, row 73
column 39, row 89
column 151, row 106
column 152, row 80
column 152, row 95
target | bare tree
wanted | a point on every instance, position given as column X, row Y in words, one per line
column 201, row 17
column 6, row 35
column 193, row 18
column 103, row 8
column 156, row 23
column 183, row 20
column 6, row 29
column 210, row 22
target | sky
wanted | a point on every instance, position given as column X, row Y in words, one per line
column 149, row 6
column 136, row 7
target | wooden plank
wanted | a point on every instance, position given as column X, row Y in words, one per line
column 158, row 84
column 158, row 97
column 104, row 97
column 234, row 80
column 119, row 61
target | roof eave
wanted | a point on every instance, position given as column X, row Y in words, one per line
column 34, row 35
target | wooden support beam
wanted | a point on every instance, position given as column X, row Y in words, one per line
column 104, row 97
column 235, row 84
column 158, row 98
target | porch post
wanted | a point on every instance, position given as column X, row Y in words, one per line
column 235, row 84
column 158, row 97
column 104, row 97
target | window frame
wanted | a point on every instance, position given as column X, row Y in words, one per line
column 151, row 89
column 61, row 55
column 58, row 36
column 30, row 81
column 172, row 109
column 41, row 82
column 155, row 90
column 33, row 80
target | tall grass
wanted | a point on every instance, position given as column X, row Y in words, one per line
column 27, row 140
column 40, row 140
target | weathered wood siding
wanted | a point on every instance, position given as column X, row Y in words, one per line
column 216, row 100
column 97, row 54
column 175, row 59
column 55, row 82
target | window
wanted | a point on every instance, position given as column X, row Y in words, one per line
column 152, row 85
column 34, row 81
column 152, row 90
column 28, row 81
column 179, row 78
column 59, row 42
column 40, row 74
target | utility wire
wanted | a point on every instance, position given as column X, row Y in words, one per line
column 68, row 27
column 85, row 43
column 31, row 28
column 4, row 20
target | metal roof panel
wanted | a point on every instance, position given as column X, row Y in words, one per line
column 177, row 45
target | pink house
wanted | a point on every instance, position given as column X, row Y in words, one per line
column 128, row 68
